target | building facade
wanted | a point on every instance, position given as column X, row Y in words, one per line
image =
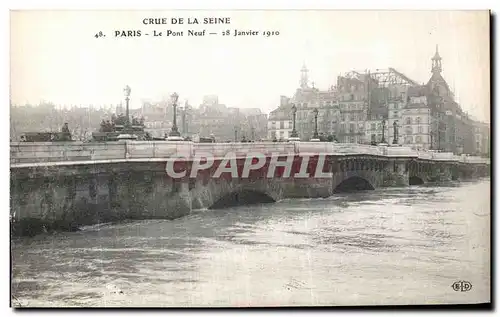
column 385, row 105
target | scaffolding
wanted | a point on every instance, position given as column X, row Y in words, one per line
column 383, row 77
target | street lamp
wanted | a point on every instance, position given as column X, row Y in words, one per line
column 396, row 133
column 294, row 136
column 235, row 134
column 127, row 132
column 174, row 132
column 316, row 135
column 383, row 131
column 126, row 92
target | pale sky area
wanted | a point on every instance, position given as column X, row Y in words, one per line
column 55, row 56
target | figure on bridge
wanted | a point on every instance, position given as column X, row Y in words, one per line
column 106, row 126
column 66, row 134
column 120, row 120
column 65, row 128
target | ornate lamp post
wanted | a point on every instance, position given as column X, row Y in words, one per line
column 127, row 133
column 174, row 133
column 235, row 134
column 126, row 92
column 315, row 135
column 383, row 132
column 396, row 133
column 294, row 136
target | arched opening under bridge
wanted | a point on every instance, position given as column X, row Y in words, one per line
column 415, row 180
column 354, row 183
column 241, row 198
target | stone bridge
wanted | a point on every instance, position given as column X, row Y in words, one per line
column 66, row 185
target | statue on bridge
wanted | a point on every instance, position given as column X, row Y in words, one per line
column 120, row 120
column 65, row 128
column 66, row 134
column 106, row 126
column 135, row 121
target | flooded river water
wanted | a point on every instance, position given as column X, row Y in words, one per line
column 386, row 246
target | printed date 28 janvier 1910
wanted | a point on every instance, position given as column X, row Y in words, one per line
column 202, row 32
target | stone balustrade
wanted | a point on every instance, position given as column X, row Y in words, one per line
column 26, row 152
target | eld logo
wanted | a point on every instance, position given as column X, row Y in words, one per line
column 461, row 286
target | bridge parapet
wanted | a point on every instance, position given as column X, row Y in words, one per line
column 424, row 155
column 476, row 160
column 242, row 149
column 26, row 152
column 337, row 148
column 400, row 151
column 443, row 156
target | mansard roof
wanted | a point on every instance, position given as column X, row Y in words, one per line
column 283, row 112
column 417, row 91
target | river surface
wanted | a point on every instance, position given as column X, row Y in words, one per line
column 387, row 246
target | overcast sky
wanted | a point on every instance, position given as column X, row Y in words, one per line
column 55, row 56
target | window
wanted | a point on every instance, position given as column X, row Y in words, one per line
column 282, row 124
column 373, row 137
column 420, row 129
column 419, row 120
column 408, row 120
column 408, row 130
column 352, row 127
column 373, row 126
column 396, row 106
column 342, row 128
column 395, row 113
column 418, row 139
column 408, row 140
column 353, row 140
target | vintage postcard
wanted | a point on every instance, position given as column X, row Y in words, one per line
column 249, row 158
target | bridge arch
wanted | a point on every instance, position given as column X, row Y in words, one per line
column 355, row 180
column 242, row 197
column 415, row 180
column 217, row 194
column 353, row 183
